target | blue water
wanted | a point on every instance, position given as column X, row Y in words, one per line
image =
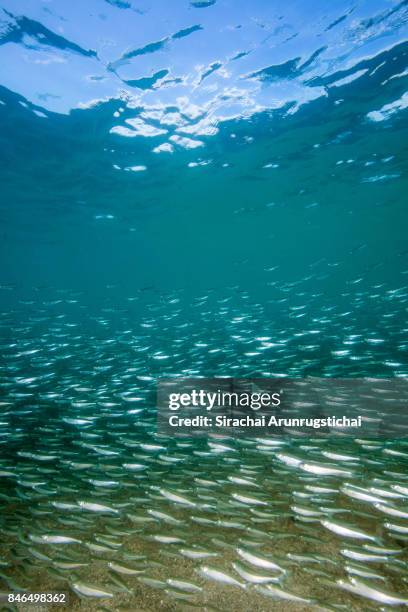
column 208, row 188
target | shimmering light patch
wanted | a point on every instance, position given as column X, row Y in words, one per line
column 186, row 143
column 388, row 110
column 136, row 168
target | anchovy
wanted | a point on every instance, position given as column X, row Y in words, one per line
column 391, row 511
column 345, row 531
column 361, row 556
column 178, row 499
column 324, row 470
column 245, row 499
column 85, row 590
column 184, row 586
column 196, row 554
column 360, row 588
column 397, row 528
column 122, row 569
column 276, row 593
column 167, row 539
column 254, row 578
column 53, row 539
column 164, row 517
column 91, row 507
column 219, row 576
column 258, row 561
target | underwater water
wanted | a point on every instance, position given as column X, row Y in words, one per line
column 199, row 189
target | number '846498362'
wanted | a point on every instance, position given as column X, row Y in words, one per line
column 37, row 598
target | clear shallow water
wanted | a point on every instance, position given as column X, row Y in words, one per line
column 202, row 189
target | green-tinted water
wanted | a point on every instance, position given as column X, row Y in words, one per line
column 201, row 189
